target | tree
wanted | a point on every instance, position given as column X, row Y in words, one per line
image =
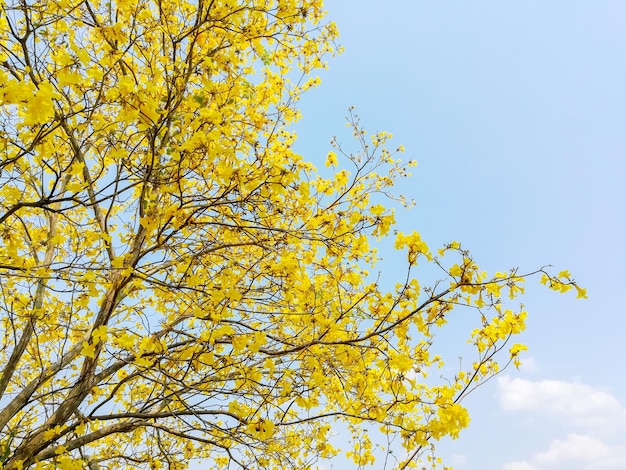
column 176, row 283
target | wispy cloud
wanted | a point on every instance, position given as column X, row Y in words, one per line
column 519, row 466
column 595, row 417
column 575, row 451
column 575, row 447
column 579, row 403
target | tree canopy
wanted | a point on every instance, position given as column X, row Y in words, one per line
column 176, row 283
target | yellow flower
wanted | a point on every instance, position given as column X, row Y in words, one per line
column 331, row 159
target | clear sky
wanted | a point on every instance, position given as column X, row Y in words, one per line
column 516, row 113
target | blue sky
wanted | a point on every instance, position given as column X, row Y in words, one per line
column 516, row 114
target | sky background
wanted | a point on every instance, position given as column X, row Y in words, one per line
column 516, row 114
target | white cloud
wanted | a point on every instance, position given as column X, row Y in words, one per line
column 594, row 418
column 575, row 447
column 617, row 461
column 523, row 465
column 579, row 403
column 529, row 364
column 457, row 460
column 574, row 451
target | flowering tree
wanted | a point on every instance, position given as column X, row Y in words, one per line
column 175, row 282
